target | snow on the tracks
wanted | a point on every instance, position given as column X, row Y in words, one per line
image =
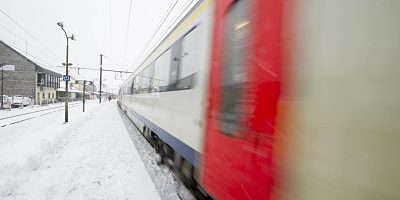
column 91, row 157
column 166, row 183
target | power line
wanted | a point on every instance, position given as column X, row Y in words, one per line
column 26, row 31
column 110, row 28
column 24, row 40
column 158, row 28
column 181, row 11
column 113, row 59
column 96, row 69
column 177, row 16
column 38, row 60
column 127, row 30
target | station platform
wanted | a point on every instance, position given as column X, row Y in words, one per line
column 90, row 157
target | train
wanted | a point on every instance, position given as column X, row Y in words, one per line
column 276, row 99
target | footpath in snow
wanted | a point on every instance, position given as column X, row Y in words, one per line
column 91, row 157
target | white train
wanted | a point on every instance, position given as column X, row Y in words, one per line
column 166, row 96
column 276, row 99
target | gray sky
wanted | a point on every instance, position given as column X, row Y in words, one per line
column 100, row 26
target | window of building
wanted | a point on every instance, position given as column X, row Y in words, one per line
column 49, row 95
column 40, row 79
column 44, row 95
column 236, row 43
column 189, row 59
column 162, row 71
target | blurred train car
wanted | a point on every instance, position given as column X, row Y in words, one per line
column 276, row 99
column 167, row 95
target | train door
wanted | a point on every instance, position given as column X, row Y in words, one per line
column 243, row 96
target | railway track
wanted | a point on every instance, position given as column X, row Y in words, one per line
column 18, row 118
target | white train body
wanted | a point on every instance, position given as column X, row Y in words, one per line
column 176, row 115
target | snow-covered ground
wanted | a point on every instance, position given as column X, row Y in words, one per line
column 32, row 108
column 166, row 183
column 91, row 157
column 10, row 117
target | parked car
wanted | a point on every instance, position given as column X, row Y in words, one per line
column 17, row 101
column 6, row 103
column 26, row 101
column 5, row 98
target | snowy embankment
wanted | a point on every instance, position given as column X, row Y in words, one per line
column 166, row 183
column 11, row 117
column 91, row 157
column 16, row 111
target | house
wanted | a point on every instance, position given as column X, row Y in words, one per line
column 29, row 79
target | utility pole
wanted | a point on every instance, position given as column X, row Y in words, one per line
column 84, row 87
column 101, row 73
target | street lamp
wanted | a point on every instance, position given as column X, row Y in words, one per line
column 72, row 37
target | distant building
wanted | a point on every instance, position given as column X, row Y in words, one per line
column 75, row 90
column 29, row 79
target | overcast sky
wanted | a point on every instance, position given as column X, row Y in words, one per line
column 100, row 26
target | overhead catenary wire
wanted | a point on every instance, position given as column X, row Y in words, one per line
column 176, row 20
column 96, row 69
column 36, row 59
column 20, row 50
column 29, row 33
column 26, row 41
column 110, row 27
column 113, row 59
column 181, row 11
column 157, row 29
column 127, row 30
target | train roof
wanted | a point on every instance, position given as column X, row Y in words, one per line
column 168, row 40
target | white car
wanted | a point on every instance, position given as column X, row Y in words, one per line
column 17, row 101
column 6, row 102
column 26, row 101
column 5, row 98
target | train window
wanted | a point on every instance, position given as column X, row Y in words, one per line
column 139, row 79
column 189, row 59
column 162, row 71
column 175, row 61
column 136, row 89
column 234, row 58
column 147, row 79
column 132, row 88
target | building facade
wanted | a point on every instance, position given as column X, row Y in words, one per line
column 29, row 79
column 47, row 84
